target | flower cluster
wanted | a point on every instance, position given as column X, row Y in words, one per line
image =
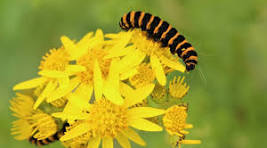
column 104, row 88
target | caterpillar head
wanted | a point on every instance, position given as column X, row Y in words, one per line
column 190, row 66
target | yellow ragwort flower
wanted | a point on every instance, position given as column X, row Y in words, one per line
column 175, row 124
column 21, row 106
column 76, row 51
column 100, row 88
column 79, row 98
column 140, row 46
column 175, row 120
column 83, row 66
column 88, row 52
column 55, row 69
column 31, row 122
column 101, row 74
column 115, row 121
column 178, row 88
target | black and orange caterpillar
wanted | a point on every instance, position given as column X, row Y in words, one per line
column 161, row 31
column 49, row 139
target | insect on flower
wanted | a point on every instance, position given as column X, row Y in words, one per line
column 161, row 31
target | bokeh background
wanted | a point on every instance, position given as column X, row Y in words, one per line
column 227, row 99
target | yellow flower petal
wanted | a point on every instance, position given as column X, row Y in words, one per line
column 78, row 101
column 21, row 129
column 174, row 65
column 94, row 41
column 94, row 142
column 85, row 39
column 60, row 115
column 99, row 35
column 30, row 83
column 157, row 67
column 144, row 125
column 63, row 92
column 73, row 111
column 82, row 45
column 178, row 88
column 64, row 82
column 139, row 95
column 190, row 142
column 118, row 52
column 112, row 94
column 126, row 90
column 52, row 74
column 184, row 132
column 68, row 45
column 123, row 141
column 112, row 35
column 76, row 131
column 72, row 116
column 144, row 112
column 21, row 105
column 131, row 134
column 111, row 87
column 84, row 91
column 117, row 35
column 73, row 69
column 98, row 82
column 119, row 48
column 47, row 90
column 189, row 126
column 131, row 60
column 128, row 73
column 107, row 142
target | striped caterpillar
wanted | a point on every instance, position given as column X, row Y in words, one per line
column 163, row 32
column 49, row 139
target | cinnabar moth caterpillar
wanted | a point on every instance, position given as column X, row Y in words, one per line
column 49, row 139
column 163, row 32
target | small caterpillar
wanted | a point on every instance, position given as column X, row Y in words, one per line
column 49, row 139
column 161, row 31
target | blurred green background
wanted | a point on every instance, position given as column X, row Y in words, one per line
column 228, row 103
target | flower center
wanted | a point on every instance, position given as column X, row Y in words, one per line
column 55, row 59
column 88, row 61
column 147, row 45
column 144, row 76
column 108, row 119
column 175, row 119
